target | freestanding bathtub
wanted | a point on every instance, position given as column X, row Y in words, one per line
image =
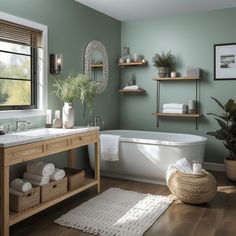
column 145, row 156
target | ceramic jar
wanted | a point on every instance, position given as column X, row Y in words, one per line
column 68, row 116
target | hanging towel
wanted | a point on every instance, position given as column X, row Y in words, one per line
column 40, row 168
column 40, row 179
column 131, row 87
column 109, row 147
column 173, row 105
column 57, row 174
column 20, row 185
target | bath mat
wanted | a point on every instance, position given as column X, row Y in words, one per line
column 116, row 212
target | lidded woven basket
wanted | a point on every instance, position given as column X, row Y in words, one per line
column 193, row 188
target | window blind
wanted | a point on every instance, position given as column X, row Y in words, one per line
column 19, row 34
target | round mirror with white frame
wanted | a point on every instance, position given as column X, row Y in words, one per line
column 96, row 64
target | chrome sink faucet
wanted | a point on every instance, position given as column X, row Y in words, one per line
column 22, row 125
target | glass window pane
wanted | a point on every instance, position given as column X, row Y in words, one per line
column 12, row 47
column 14, row 66
column 15, row 92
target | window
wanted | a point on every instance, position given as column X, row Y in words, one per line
column 23, row 58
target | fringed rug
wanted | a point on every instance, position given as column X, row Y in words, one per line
column 116, row 212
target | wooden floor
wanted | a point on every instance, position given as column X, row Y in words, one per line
column 216, row 218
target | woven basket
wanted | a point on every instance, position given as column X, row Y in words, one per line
column 75, row 177
column 24, row 201
column 53, row 189
column 230, row 168
column 192, row 188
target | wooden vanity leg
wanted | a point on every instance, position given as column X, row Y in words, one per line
column 71, row 158
column 97, row 165
column 4, row 188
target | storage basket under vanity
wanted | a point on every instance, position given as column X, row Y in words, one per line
column 75, row 177
column 24, row 200
column 193, row 188
column 53, row 189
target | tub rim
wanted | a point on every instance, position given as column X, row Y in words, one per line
column 202, row 140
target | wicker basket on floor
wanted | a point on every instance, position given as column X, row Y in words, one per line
column 191, row 188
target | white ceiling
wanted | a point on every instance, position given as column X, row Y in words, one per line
column 139, row 9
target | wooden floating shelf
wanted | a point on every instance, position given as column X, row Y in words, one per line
column 176, row 78
column 17, row 217
column 176, row 115
column 131, row 91
column 133, row 64
column 96, row 65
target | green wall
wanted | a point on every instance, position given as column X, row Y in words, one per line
column 70, row 27
column 190, row 38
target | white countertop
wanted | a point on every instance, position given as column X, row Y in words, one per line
column 34, row 135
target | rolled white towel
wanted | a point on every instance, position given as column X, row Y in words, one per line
column 131, row 87
column 183, row 165
column 38, row 183
column 15, row 192
column 57, row 174
column 173, row 105
column 40, row 179
column 20, row 185
column 40, row 168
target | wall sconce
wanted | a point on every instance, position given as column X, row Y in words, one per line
column 55, row 63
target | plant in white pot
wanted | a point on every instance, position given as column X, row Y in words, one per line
column 164, row 62
column 74, row 87
column 227, row 133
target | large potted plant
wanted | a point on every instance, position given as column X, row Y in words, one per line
column 164, row 62
column 74, row 87
column 227, row 133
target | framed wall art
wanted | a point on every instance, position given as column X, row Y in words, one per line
column 225, row 61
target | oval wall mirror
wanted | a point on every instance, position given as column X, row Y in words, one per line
column 96, row 64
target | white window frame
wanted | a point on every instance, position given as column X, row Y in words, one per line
column 42, row 80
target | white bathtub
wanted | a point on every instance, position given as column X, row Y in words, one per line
column 145, row 156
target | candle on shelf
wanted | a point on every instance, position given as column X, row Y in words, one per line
column 197, row 167
column 57, row 114
column 191, row 106
column 173, row 74
column 48, row 117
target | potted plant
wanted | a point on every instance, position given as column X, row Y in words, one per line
column 164, row 63
column 74, row 87
column 227, row 133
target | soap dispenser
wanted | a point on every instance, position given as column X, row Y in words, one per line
column 57, row 122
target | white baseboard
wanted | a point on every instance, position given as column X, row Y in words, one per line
column 214, row 166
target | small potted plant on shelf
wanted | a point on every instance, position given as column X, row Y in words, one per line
column 227, row 133
column 74, row 87
column 164, row 62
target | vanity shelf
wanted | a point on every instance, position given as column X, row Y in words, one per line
column 177, row 79
column 131, row 91
column 133, row 64
column 17, row 217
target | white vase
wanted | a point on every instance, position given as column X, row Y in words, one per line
column 68, row 116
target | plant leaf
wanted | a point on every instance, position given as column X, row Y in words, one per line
column 222, row 117
column 219, row 103
column 221, row 123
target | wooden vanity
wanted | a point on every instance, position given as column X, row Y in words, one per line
column 14, row 154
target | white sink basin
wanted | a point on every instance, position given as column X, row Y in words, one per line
column 50, row 132
column 39, row 134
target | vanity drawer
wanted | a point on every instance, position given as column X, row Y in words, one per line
column 84, row 138
column 56, row 145
column 23, row 153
